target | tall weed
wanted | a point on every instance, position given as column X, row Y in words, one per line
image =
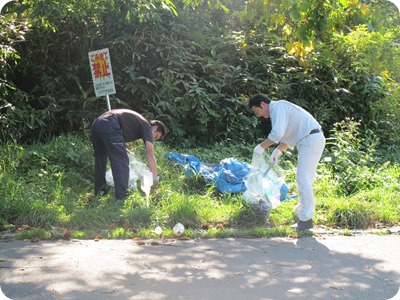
column 353, row 157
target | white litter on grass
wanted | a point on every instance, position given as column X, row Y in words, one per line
column 158, row 230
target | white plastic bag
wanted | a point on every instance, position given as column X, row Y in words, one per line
column 263, row 189
column 136, row 168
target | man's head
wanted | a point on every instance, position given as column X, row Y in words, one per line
column 259, row 104
column 159, row 129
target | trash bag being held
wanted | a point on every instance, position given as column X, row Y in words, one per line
column 136, row 170
column 263, row 183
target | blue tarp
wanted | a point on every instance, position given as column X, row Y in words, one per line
column 227, row 175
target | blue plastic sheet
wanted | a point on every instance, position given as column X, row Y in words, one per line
column 227, row 175
column 262, row 191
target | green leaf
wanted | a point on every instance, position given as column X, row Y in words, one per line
column 345, row 3
column 294, row 14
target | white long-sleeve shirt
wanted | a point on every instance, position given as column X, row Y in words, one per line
column 290, row 123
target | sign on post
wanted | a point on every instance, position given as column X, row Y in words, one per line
column 103, row 80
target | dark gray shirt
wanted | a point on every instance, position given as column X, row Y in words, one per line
column 134, row 126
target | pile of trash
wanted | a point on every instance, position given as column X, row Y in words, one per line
column 262, row 190
column 227, row 175
column 261, row 182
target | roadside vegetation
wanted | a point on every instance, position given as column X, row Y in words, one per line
column 47, row 192
column 193, row 64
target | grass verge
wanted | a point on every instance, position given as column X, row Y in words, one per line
column 47, row 193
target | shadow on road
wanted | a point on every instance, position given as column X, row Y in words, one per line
column 330, row 267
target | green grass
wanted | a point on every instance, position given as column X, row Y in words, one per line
column 47, row 189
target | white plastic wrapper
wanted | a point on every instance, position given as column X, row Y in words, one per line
column 136, row 168
column 263, row 189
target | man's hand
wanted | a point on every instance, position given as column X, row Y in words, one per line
column 258, row 150
column 276, row 155
column 156, row 179
column 155, row 184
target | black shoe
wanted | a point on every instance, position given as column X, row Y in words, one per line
column 102, row 192
column 122, row 197
column 303, row 225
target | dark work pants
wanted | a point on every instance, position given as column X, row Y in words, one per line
column 108, row 143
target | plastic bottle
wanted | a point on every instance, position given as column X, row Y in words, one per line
column 178, row 229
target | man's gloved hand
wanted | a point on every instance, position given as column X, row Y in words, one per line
column 258, row 150
column 276, row 155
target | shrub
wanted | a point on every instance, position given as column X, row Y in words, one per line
column 352, row 157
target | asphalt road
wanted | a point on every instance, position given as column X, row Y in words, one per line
column 363, row 266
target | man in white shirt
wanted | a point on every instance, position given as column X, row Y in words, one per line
column 292, row 126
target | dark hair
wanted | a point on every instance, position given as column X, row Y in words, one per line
column 160, row 127
column 257, row 99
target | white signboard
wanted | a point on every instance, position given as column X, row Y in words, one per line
column 100, row 65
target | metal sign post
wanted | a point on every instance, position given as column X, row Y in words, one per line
column 108, row 102
column 103, row 80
